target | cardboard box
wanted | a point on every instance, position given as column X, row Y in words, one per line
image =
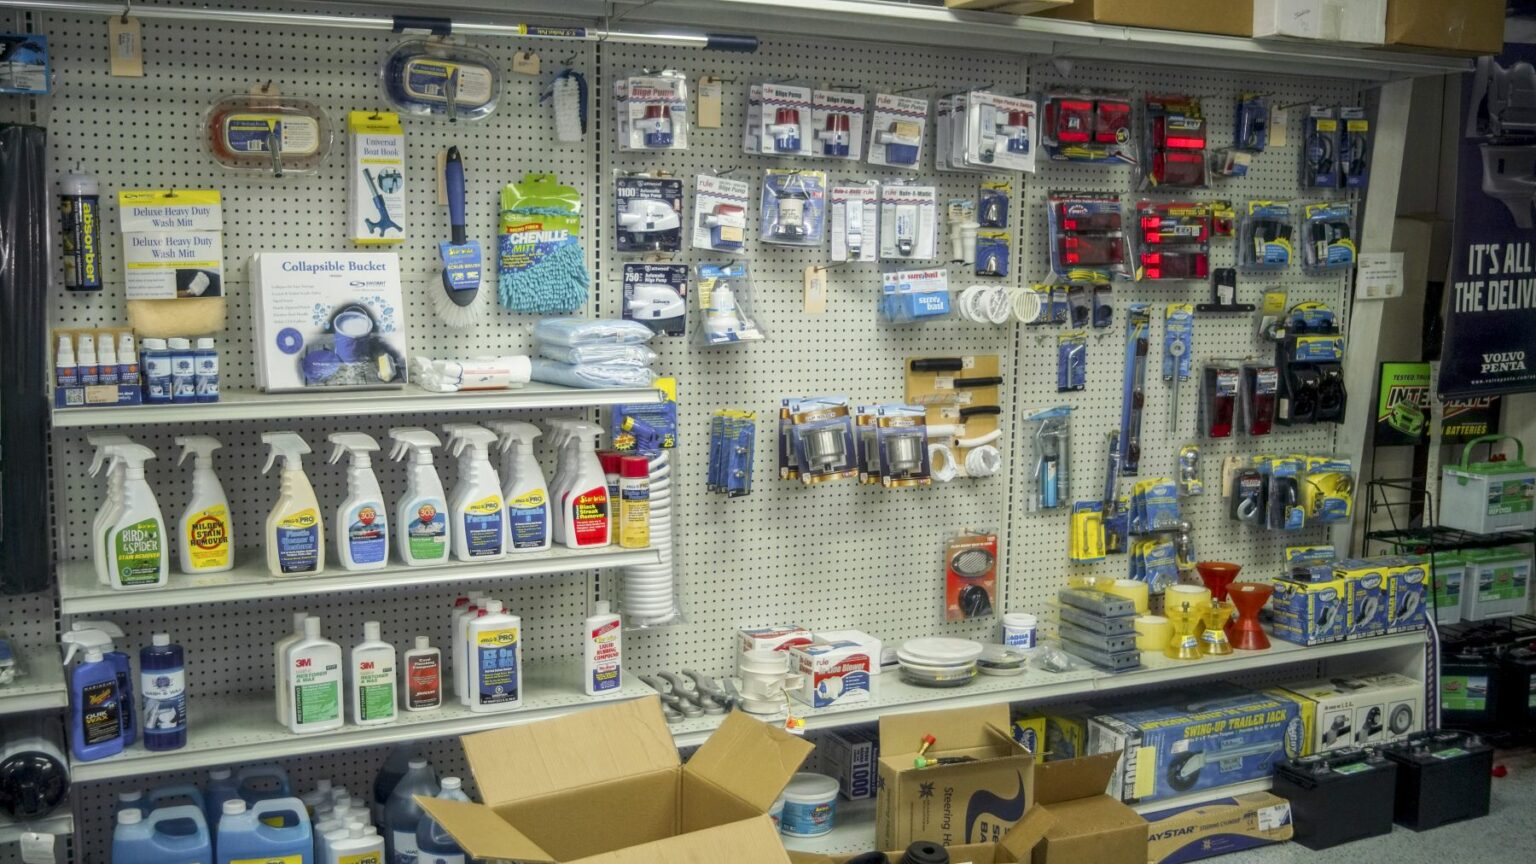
column 1019, row 845
column 851, row 754
column 1212, row 736
column 1360, row 712
column 1091, row 827
column 972, row 802
column 615, row 768
column 835, row 674
column 1365, row 589
column 1462, row 27
column 1219, row 827
column 1309, row 610
column 1361, row 22
column 1222, row 17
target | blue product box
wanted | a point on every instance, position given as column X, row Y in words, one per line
column 1309, row 609
column 1365, row 586
column 851, row 754
column 1407, row 583
column 1198, row 739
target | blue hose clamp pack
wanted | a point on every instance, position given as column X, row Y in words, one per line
column 1330, row 237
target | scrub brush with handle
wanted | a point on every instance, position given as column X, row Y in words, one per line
column 457, row 304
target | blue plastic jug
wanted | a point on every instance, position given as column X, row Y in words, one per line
column 180, row 793
column 140, row 839
column 248, row 833
column 434, row 845
column 222, row 786
column 247, row 779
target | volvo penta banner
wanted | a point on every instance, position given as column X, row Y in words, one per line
column 1490, row 331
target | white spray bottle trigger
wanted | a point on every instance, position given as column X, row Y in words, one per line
column 285, row 444
column 103, row 442
column 87, row 639
column 130, row 455
column 354, row 444
column 202, row 445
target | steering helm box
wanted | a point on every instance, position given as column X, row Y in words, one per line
column 1357, row 712
column 972, row 801
column 1091, row 827
column 1213, row 736
column 615, row 769
column 1219, row 827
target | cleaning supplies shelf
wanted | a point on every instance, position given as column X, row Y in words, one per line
column 255, row 405
column 80, row 593
column 43, row 687
column 241, row 729
column 890, row 695
column 59, row 822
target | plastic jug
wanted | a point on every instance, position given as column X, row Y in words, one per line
column 389, row 776
column 181, row 793
column 402, row 814
column 246, row 833
column 222, row 786
column 434, row 845
column 140, row 839
column 246, row 779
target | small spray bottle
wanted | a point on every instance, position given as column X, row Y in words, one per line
column 523, row 487
column 421, row 517
column 205, row 531
column 295, row 534
column 362, row 526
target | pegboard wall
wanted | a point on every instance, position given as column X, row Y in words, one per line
column 836, row 556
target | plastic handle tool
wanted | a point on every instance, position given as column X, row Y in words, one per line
column 453, row 179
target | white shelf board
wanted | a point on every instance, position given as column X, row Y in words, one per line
column 43, row 687
column 237, row 730
column 890, row 695
column 929, row 25
column 255, row 405
column 80, row 593
column 59, row 822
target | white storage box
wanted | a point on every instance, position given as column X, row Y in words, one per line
column 1488, row 497
column 1359, row 21
column 1497, row 582
column 1448, row 576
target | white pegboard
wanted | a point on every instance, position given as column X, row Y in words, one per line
column 830, row 557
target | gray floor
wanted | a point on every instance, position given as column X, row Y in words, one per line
column 1506, row 834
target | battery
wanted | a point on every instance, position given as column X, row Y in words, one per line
column 1517, row 689
column 1338, row 796
column 1470, row 695
column 1442, row 776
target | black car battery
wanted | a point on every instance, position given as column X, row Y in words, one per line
column 1470, row 694
column 1442, row 776
column 1338, row 796
column 1517, row 690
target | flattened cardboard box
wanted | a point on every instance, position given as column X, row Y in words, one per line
column 1091, row 827
column 972, row 802
column 1224, row 17
column 1460, row 26
column 615, row 769
column 1218, row 827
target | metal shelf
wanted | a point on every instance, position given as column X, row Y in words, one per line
column 931, row 26
column 60, row 822
column 890, row 695
column 1436, row 538
column 43, row 687
column 227, row 731
column 255, row 405
column 80, row 593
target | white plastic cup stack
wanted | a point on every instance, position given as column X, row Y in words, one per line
column 649, row 595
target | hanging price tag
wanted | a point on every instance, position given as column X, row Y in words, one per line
column 709, row 103
column 126, row 47
column 1279, row 126
column 525, row 63
column 815, row 290
column 37, row 848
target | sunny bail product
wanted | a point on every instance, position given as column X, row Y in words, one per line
column 523, row 487
column 476, row 506
column 495, row 643
column 295, row 534
column 313, row 678
column 205, row 532
column 421, row 517
column 136, row 540
column 362, row 526
column 372, row 673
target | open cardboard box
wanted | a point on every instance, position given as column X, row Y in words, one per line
column 605, row 786
column 1090, row 827
column 967, row 803
column 1016, row 847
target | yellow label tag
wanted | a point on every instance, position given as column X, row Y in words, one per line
column 1274, row 302
column 794, row 725
column 300, row 519
column 525, row 63
column 126, row 47
column 497, row 638
column 1146, row 771
column 709, row 103
column 371, row 857
column 815, row 289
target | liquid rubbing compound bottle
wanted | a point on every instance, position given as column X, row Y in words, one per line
column 163, row 687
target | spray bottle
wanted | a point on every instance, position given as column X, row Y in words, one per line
column 421, row 517
column 205, row 531
column 114, row 499
column 524, row 489
column 479, row 517
column 103, row 634
column 295, row 534
column 136, row 540
column 584, row 513
column 560, row 439
column 362, row 526
column 95, row 702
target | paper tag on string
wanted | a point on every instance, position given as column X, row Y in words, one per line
column 709, row 103
column 126, row 46
column 37, row 848
column 525, row 63
column 1279, row 126
column 815, row 289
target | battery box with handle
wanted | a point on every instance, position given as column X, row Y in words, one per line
column 1490, row 496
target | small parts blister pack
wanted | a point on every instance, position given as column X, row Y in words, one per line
column 778, row 120
column 893, row 445
column 1329, row 241
column 998, row 132
column 908, row 223
column 268, row 134
column 908, row 296
column 837, row 123
column 720, row 214
column 732, row 445
column 1173, row 139
column 650, row 213
column 725, row 306
column 970, row 576
column 652, row 111
column 442, row 78
column 1087, row 126
column 1250, row 135
column 1087, row 237
column 1071, row 361
column 1220, row 384
column 1267, row 237
column 896, row 131
column 855, row 220
column 817, row 439
column 794, row 207
column 1337, row 148
column 1050, row 452
column 1173, row 240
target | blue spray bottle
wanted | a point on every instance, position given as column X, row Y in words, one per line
column 124, row 669
column 95, row 700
